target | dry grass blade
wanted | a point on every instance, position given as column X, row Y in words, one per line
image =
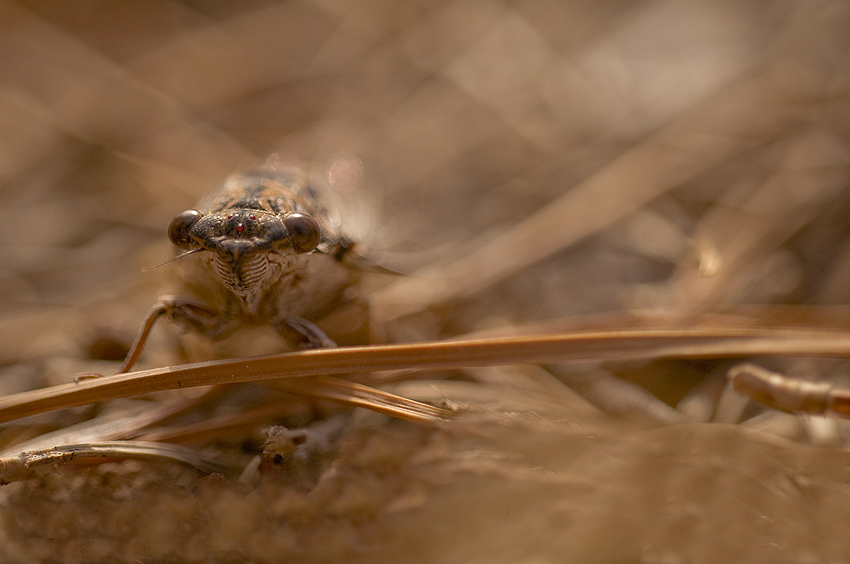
column 751, row 222
column 712, row 132
column 788, row 394
column 97, row 430
column 352, row 393
column 15, row 468
column 580, row 346
column 217, row 428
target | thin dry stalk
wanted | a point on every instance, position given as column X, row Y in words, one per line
column 580, row 346
column 788, row 394
column 706, row 135
column 13, row 468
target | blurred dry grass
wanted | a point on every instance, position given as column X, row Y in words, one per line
column 672, row 156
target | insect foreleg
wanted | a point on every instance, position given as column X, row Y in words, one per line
column 189, row 313
column 303, row 332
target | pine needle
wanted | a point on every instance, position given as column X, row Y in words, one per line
column 635, row 344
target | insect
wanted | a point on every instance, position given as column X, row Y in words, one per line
column 261, row 249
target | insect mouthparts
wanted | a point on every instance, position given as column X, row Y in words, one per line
column 242, row 276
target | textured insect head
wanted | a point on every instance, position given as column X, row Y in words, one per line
column 241, row 240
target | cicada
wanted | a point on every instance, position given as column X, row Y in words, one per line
column 260, row 249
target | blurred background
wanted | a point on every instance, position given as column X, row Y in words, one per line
column 651, row 155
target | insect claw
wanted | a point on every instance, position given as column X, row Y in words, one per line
column 311, row 336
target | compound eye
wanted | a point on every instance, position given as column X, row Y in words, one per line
column 178, row 230
column 304, row 232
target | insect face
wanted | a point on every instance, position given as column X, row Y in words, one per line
column 241, row 240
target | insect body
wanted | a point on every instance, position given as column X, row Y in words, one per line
column 264, row 251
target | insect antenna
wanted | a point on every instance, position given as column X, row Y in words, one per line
column 181, row 255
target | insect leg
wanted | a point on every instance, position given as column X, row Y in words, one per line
column 138, row 344
column 303, row 332
column 189, row 313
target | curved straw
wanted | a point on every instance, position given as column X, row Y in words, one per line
column 14, row 468
column 596, row 345
column 789, row 394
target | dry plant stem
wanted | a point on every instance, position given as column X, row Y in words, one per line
column 352, row 393
column 129, row 425
column 788, row 394
column 98, row 430
column 597, row 346
column 221, row 426
column 618, row 397
column 714, row 131
column 116, row 81
column 749, row 224
column 14, row 468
